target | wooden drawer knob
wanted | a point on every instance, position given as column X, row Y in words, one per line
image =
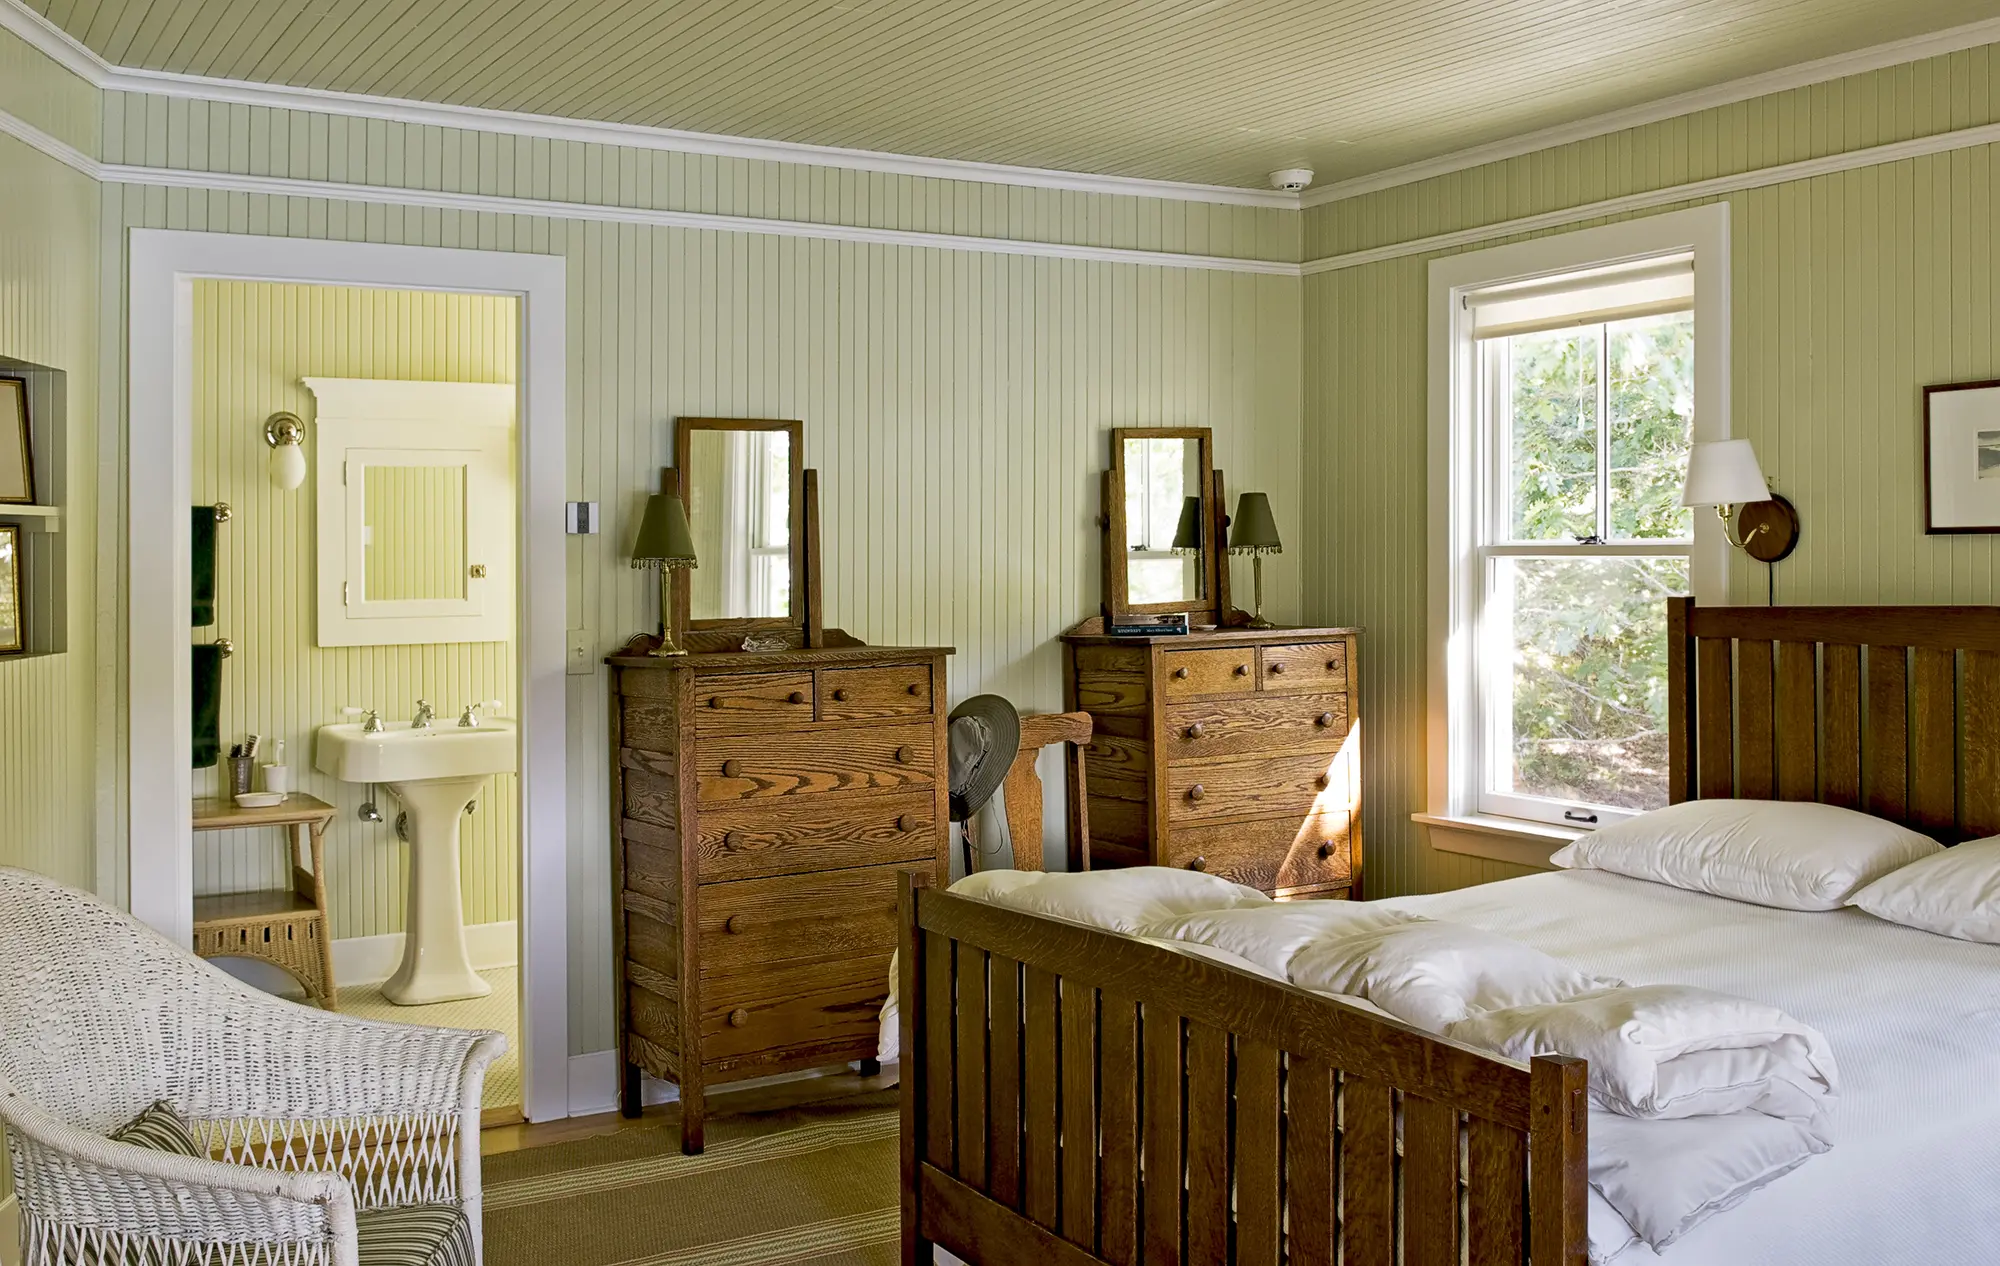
column 1277, row 668
column 1195, row 731
column 1199, row 863
column 1323, row 782
column 1324, row 720
column 715, row 701
column 734, row 925
column 732, row 839
column 1195, row 792
column 730, row 768
column 1181, row 673
column 738, row 1018
column 916, row 688
column 840, row 696
column 1325, row 851
column 906, row 823
column 904, row 755
column 1333, row 665
column 1243, row 670
column 799, row 696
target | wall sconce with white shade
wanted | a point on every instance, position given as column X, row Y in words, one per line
column 286, row 434
column 1725, row 474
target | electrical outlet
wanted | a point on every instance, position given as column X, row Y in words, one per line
column 582, row 657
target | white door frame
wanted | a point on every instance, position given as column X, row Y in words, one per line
column 159, row 391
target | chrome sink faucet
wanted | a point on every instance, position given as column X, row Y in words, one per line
column 422, row 721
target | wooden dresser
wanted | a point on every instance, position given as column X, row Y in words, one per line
column 763, row 805
column 1229, row 752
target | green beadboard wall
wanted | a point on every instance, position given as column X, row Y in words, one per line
column 253, row 343
column 956, row 405
column 1849, row 291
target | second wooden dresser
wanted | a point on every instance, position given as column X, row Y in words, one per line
column 763, row 805
column 1230, row 752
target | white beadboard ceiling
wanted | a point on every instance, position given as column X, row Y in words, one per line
column 1205, row 91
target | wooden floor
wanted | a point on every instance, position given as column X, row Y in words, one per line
column 505, row 1131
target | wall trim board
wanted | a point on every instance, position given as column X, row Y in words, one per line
column 593, row 1085
column 81, row 61
column 1784, row 79
column 500, row 204
column 1693, row 191
column 162, row 269
column 370, row 960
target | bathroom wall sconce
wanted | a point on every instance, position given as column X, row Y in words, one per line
column 1725, row 474
column 286, row 434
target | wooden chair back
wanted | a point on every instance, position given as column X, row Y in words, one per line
column 1021, row 794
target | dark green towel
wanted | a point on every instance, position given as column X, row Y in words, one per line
column 202, row 542
column 207, row 710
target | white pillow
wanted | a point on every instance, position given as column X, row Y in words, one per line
column 1794, row 855
column 1955, row 893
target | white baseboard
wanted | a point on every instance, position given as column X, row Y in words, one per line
column 10, row 1232
column 370, row 960
column 593, row 1084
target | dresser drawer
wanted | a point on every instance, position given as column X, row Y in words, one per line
column 754, row 923
column 830, row 1009
column 1305, row 666
column 751, row 841
column 1277, row 855
column 1261, row 723
column 889, row 757
column 751, row 703
column 867, row 694
column 1227, row 670
column 1251, row 788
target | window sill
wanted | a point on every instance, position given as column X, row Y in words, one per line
column 1512, row 840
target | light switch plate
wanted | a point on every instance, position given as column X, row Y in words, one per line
column 582, row 658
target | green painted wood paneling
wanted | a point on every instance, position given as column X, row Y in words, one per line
column 253, row 343
column 1850, row 292
column 43, row 94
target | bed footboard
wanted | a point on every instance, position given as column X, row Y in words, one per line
column 1073, row 1096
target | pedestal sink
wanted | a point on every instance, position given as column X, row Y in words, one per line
column 434, row 772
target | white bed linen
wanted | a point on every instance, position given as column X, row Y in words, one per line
column 1914, row 1175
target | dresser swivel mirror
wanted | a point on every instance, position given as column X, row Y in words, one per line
column 768, row 787
column 1164, row 527
column 1215, row 746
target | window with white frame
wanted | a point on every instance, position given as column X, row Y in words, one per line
column 1573, row 411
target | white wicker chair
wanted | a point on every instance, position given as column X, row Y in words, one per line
column 313, row 1115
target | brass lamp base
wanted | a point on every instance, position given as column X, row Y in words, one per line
column 670, row 642
column 1257, row 620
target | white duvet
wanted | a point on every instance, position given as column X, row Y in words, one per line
column 1707, row 1096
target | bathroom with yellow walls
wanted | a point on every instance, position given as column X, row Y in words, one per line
column 254, row 343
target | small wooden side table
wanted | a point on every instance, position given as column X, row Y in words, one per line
column 283, row 926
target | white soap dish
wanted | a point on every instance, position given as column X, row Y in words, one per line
column 260, row 799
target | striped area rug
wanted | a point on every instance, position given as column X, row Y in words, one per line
column 814, row 1184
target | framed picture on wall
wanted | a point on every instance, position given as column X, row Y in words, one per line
column 17, row 461
column 12, row 642
column 1962, row 457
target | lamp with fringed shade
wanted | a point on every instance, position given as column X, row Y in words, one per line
column 666, row 545
column 1254, row 531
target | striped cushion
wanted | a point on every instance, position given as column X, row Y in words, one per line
column 161, row 1129
column 415, row 1235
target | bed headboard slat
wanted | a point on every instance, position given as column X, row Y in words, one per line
column 1895, row 710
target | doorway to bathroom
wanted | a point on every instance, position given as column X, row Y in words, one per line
column 378, row 583
column 383, row 559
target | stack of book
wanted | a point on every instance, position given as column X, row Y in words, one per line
column 1150, row 626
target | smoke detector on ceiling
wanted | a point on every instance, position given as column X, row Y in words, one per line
column 1292, row 179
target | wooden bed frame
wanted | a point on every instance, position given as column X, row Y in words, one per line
column 1074, row 1096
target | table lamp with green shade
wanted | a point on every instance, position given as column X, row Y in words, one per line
column 666, row 545
column 1255, row 532
column 1187, row 543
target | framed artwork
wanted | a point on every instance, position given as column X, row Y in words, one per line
column 1962, row 457
column 17, row 461
column 11, row 616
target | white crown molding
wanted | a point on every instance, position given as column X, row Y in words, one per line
column 63, row 48
column 495, row 204
column 1839, row 66
column 1694, row 191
